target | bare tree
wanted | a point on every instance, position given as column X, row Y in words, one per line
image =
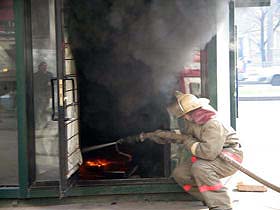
column 260, row 26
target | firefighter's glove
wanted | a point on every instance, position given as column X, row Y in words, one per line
column 163, row 137
column 170, row 136
column 152, row 136
column 166, row 137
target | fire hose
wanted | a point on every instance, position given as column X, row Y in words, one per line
column 238, row 166
column 226, row 158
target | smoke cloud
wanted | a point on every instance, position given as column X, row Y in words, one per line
column 165, row 34
column 129, row 54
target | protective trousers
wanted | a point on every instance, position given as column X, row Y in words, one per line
column 201, row 178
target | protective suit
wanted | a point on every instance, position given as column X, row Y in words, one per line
column 205, row 137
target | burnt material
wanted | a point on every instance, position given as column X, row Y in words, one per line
column 130, row 159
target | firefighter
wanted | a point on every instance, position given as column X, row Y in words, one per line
column 204, row 136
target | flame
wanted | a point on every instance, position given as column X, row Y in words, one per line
column 97, row 163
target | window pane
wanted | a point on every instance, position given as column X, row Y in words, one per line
column 8, row 114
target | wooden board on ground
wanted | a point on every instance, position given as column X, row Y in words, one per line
column 242, row 187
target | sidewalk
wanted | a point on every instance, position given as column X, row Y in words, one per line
column 241, row 201
column 258, row 92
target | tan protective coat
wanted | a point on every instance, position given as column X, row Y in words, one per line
column 212, row 138
column 202, row 177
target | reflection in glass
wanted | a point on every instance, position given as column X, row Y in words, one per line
column 8, row 114
column 44, row 70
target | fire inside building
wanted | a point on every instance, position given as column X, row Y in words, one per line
column 81, row 80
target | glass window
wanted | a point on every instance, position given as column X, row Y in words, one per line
column 8, row 113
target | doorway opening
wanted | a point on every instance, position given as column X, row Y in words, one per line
column 130, row 58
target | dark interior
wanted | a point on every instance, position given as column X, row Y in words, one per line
column 128, row 56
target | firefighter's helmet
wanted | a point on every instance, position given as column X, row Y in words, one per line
column 185, row 103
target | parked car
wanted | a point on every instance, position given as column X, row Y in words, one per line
column 271, row 75
column 268, row 75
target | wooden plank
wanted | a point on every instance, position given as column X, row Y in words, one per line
column 250, row 188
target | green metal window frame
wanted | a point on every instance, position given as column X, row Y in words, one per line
column 19, row 8
column 211, row 49
column 20, row 191
column 22, row 56
column 232, row 66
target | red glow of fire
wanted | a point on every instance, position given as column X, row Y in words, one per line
column 97, row 163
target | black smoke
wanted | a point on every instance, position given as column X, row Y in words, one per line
column 128, row 55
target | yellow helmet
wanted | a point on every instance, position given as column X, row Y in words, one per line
column 185, row 103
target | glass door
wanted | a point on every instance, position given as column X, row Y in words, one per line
column 43, row 73
column 68, row 110
column 55, row 96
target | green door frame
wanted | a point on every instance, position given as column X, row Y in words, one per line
column 211, row 68
column 21, row 190
column 20, row 10
column 211, row 76
column 232, row 65
column 23, row 65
